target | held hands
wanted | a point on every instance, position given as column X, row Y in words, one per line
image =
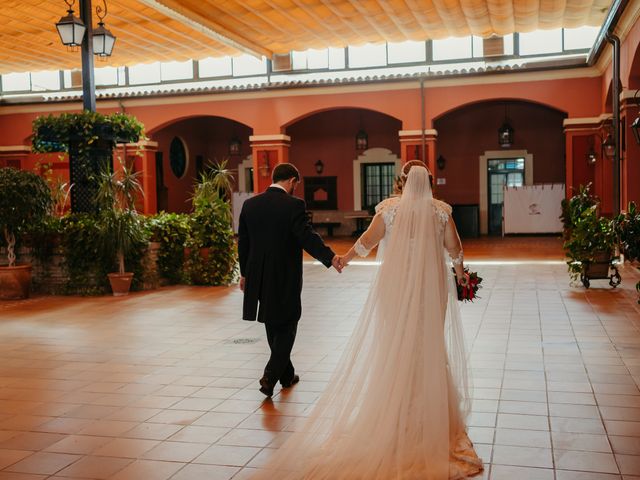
column 241, row 284
column 336, row 262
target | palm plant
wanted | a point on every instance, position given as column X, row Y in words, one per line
column 121, row 226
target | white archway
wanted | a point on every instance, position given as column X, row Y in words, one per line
column 484, row 195
column 373, row 155
column 242, row 174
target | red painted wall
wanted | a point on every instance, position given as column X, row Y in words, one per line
column 583, row 173
column 206, row 136
column 464, row 135
column 330, row 137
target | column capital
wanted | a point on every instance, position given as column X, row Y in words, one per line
column 276, row 140
column 413, row 135
column 141, row 145
column 586, row 123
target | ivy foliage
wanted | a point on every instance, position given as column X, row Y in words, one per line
column 54, row 133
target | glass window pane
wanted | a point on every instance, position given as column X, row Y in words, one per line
column 248, row 65
column 577, row 38
column 49, row 80
column 368, row 56
column 176, row 70
column 215, row 67
column 407, row 52
column 298, row 60
column 508, row 44
column 451, row 48
column 336, row 58
column 541, row 41
column 147, row 73
column 317, row 58
column 16, row 82
column 106, row 76
column 478, row 47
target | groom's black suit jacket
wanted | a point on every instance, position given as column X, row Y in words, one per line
column 273, row 231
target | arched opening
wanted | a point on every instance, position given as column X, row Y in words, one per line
column 328, row 138
column 202, row 141
column 470, row 133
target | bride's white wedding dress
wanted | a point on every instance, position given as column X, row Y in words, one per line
column 395, row 406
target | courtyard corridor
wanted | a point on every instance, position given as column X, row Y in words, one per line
column 163, row 384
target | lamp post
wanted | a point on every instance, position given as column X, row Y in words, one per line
column 76, row 32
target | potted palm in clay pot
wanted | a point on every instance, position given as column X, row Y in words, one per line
column 121, row 227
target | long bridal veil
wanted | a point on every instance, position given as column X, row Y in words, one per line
column 394, row 407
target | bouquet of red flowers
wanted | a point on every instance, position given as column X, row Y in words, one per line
column 469, row 292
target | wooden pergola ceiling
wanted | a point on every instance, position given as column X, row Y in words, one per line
column 177, row 30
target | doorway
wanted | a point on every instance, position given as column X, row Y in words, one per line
column 501, row 172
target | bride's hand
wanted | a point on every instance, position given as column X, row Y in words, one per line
column 464, row 280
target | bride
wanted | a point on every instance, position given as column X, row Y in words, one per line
column 395, row 406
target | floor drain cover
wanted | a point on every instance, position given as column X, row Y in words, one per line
column 243, row 340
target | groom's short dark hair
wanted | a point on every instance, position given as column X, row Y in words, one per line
column 285, row 171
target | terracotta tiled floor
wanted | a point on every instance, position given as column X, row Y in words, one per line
column 162, row 384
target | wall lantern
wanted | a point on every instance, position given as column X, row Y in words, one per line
column 264, row 166
column 609, row 146
column 635, row 126
column 319, row 167
column 103, row 39
column 592, row 158
column 505, row 132
column 362, row 140
column 70, row 28
column 234, row 146
column 441, row 162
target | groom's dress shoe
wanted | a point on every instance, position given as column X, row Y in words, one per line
column 291, row 382
column 266, row 387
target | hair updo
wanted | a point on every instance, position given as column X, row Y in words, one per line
column 405, row 173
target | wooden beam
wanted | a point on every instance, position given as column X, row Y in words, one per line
column 173, row 9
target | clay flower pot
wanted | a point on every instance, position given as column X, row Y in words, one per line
column 120, row 283
column 15, row 282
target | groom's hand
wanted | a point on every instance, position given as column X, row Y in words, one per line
column 336, row 263
column 241, row 284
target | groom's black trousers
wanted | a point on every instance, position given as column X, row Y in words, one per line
column 279, row 366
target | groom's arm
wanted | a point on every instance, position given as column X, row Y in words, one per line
column 243, row 243
column 310, row 241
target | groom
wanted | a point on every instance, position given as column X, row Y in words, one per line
column 273, row 231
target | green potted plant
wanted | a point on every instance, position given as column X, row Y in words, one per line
column 627, row 227
column 210, row 251
column 25, row 201
column 590, row 240
column 121, row 228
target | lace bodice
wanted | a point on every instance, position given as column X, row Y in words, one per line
column 382, row 225
column 389, row 207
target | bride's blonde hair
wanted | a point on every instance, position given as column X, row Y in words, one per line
column 400, row 182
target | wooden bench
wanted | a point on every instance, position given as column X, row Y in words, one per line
column 328, row 225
